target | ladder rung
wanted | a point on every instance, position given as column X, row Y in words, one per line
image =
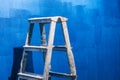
column 61, row 74
column 39, row 48
column 34, row 48
column 30, row 76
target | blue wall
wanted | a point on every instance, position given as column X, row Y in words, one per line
column 94, row 28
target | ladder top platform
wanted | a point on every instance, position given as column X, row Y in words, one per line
column 47, row 19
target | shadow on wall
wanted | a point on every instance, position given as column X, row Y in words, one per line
column 16, row 63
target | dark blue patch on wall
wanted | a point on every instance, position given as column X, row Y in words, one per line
column 94, row 29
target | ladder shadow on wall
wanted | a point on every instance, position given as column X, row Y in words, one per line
column 17, row 56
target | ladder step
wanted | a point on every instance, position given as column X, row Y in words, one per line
column 61, row 75
column 39, row 48
column 30, row 76
column 34, row 48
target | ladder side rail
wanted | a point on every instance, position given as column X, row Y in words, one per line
column 69, row 51
column 43, row 38
column 25, row 53
column 49, row 51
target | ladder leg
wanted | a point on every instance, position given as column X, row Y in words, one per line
column 44, row 42
column 43, row 38
column 49, row 51
column 69, row 51
column 29, row 34
column 25, row 53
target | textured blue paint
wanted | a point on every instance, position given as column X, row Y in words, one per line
column 94, row 28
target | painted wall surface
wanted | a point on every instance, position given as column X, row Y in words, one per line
column 94, row 29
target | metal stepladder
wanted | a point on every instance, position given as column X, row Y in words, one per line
column 47, row 49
